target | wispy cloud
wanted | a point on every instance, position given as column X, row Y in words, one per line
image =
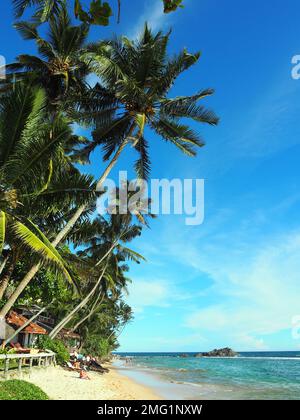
column 148, row 294
column 155, row 293
column 254, row 277
column 259, row 295
column 153, row 15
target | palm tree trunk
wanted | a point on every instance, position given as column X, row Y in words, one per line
column 9, row 304
column 66, row 229
column 113, row 162
column 68, row 318
column 3, row 264
column 92, row 310
column 118, row 333
column 84, row 302
column 6, row 277
column 24, row 326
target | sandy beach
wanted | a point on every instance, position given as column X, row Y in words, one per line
column 60, row 384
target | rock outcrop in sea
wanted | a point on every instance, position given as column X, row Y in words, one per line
column 225, row 352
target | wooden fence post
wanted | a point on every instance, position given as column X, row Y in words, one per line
column 20, row 366
column 26, row 360
column 6, row 368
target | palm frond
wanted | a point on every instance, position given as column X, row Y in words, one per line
column 38, row 145
column 143, row 164
column 69, row 188
column 15, row 109
column 130, row 254
column 185, row 108
column 181, row 135
column 36, row 241
column 46, row 8
column 21, row 5
column 27, row 30
column 173, row 69
column 109, row 136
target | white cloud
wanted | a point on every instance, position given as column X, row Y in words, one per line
column 259, row 296
column 153, row 15
column 144, row 294
column 156, row 293
column 245, row 341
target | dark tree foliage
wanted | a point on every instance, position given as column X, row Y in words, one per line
column 97, row 12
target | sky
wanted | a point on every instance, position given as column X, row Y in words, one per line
column 234, row 280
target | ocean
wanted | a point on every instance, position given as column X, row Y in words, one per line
column 251, row 375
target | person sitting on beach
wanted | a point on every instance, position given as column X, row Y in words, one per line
column 84, row 375
column 76, row 364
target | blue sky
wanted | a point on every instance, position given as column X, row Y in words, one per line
column 234, row 280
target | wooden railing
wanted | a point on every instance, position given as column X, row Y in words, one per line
column 26, row 361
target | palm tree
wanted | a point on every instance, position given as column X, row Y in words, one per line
column 27, row 153
column 137, row 77
column 58, row 68
column 124, row 316
column 34, row 170
column 11, row 258
column 105, row 324
column 45, row 8
column 26, row 158
column 105, row 249
column 98, row 13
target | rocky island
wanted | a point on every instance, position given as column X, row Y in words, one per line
column 225, row 352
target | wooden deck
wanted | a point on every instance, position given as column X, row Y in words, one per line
column 16, row 363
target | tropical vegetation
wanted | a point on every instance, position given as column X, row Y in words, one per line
column 21, row 390
column 96, row 12
column 55, row 250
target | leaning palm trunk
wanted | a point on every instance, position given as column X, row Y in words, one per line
column 9, row 304
column 3, row 264
column 82, row 304
column 6, row 277
column 118, row 333
column 68, row 318
column 24, row 326
column 62, row 234
column 99, row 300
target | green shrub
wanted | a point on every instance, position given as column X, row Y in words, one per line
column 20, row 390
column 98, row 346
column 13, row 363
column 7, row 351
column 57, row 346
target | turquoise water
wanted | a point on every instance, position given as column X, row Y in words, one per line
column 274, row 375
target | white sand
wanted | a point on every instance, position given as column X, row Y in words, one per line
column 60, row 384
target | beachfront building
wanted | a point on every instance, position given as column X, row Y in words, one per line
column 27, row 337
column 71, row 339
column 42, row 325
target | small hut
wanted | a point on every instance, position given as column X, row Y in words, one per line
column 71, row 339
column 28, row 336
